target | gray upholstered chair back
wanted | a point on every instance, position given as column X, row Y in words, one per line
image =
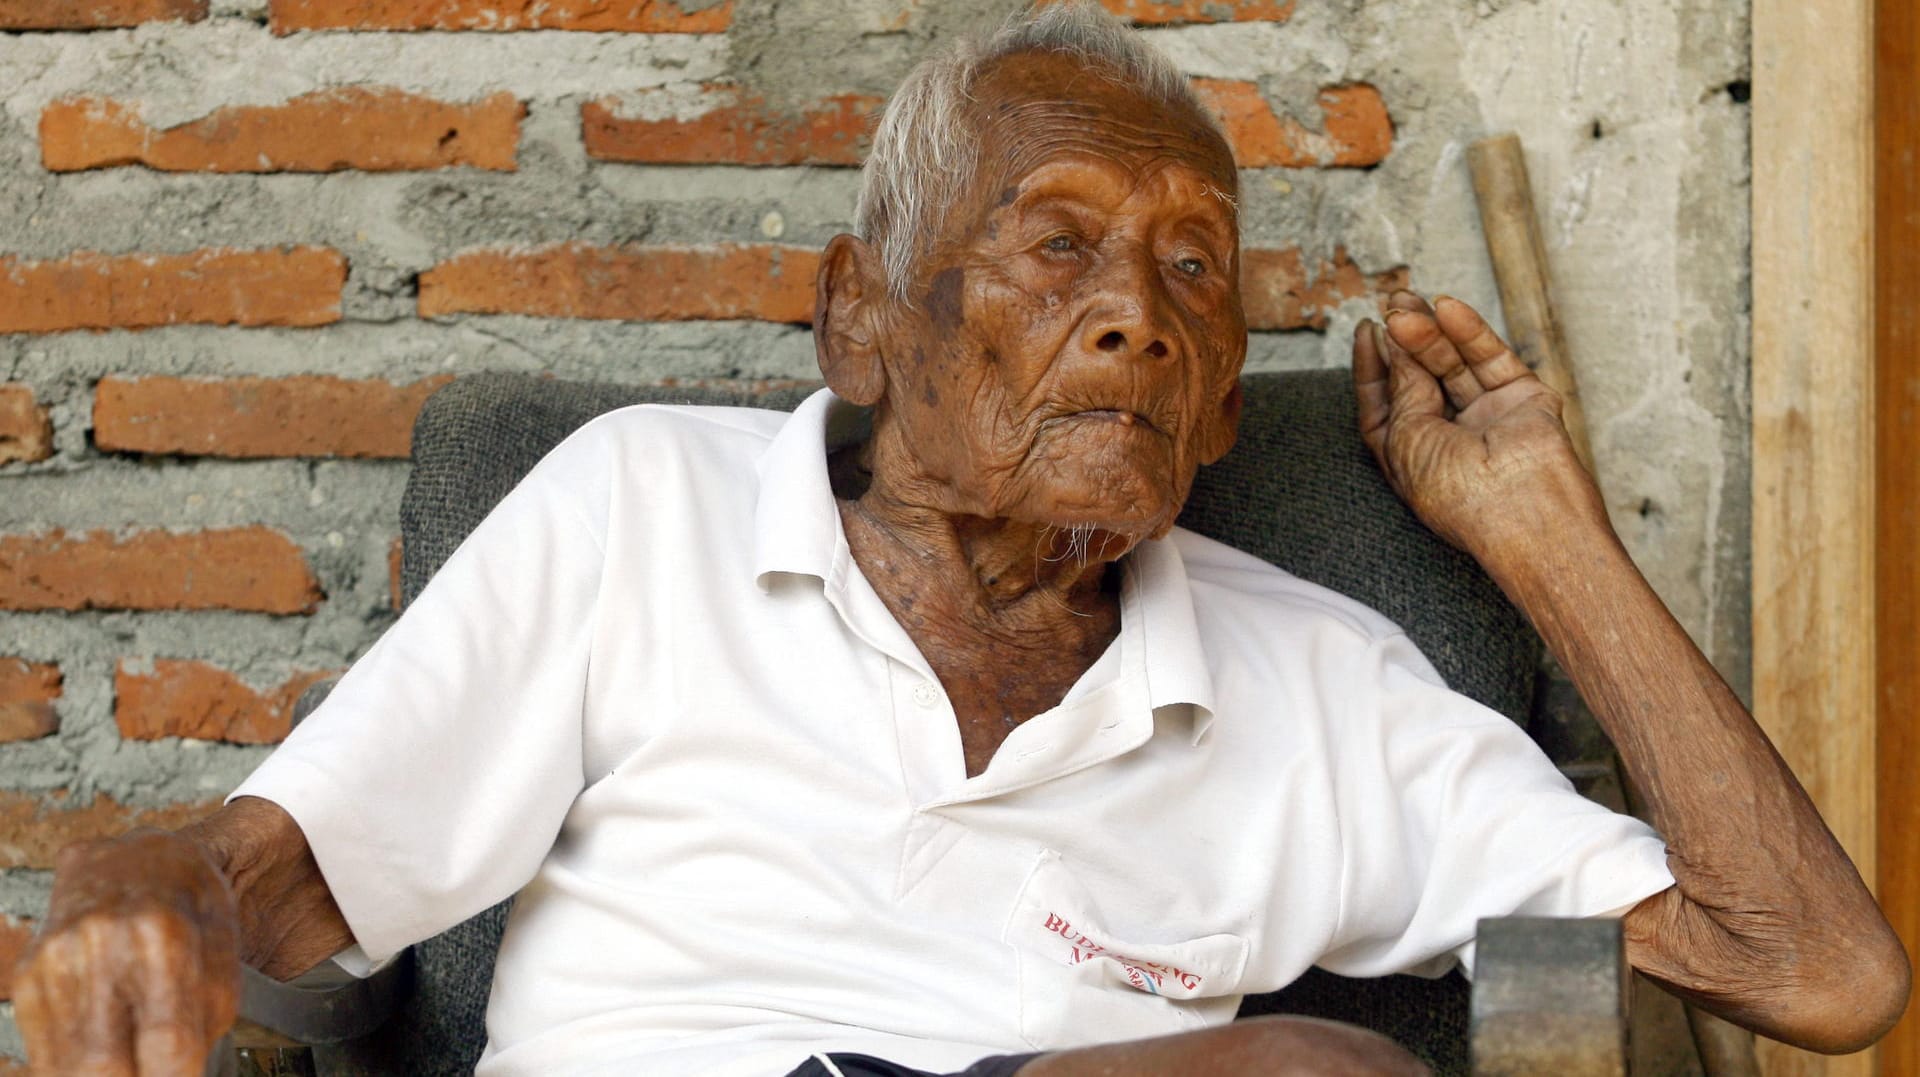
column 1299, row 490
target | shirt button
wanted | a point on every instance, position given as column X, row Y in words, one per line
column 926, row 693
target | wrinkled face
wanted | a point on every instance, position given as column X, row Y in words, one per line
column 1072, row 352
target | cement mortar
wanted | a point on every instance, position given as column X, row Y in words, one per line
column 182, row 71
column 24, row 891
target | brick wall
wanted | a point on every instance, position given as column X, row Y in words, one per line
column 242, row 240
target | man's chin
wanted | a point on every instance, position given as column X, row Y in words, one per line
column 1130, row 499
column 1114, row 528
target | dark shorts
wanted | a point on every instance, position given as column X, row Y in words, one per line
column 869, row 1066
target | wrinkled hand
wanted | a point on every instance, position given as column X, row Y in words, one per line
column 1465, row 433
column 136, row 969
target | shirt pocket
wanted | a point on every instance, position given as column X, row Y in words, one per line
column 1080, row 983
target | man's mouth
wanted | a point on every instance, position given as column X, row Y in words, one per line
column 1116, row 415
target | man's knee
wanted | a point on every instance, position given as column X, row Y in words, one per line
column 1309, row 1045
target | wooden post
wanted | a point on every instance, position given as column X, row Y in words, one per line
column 1897, row 478
column 1813, row 476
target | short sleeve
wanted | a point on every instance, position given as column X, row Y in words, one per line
column 1449, row 813
column 433, row 780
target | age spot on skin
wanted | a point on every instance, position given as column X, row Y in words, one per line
column 944, row 301
column 1009, row 194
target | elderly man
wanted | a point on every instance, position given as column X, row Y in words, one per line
column 906, row 753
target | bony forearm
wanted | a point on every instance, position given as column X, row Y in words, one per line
column 288, row 919
column 1728, row 807
column 1836, row 992
column 1769, row 922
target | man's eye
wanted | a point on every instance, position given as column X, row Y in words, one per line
column 1192, row 267
column 1061, row 242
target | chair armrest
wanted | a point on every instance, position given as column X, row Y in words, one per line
column 1550, row 996
column 279, row 1023
column 325, row 1005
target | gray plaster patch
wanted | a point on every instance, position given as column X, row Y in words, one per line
column 23, row 891
column 250, row 10
column 183, row 71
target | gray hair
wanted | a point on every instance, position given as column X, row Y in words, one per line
column 924, row 148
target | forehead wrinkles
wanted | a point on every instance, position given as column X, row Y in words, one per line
column 1019, row 136
column 1031, row 107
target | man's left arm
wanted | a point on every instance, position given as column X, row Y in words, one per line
column 1769, row 923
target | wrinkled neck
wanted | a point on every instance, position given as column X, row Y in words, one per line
column 992, row 568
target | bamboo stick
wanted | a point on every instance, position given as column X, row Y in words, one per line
column 1520, row 267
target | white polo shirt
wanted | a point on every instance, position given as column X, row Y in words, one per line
column 653, row 695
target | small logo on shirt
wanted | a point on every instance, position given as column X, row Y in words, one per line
column 1144, row 975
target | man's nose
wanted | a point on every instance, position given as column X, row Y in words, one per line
column 1131, row 318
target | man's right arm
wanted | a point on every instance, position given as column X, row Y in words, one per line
column 136, row 969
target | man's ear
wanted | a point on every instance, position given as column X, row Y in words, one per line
column 1222, row 428
column 848, row 295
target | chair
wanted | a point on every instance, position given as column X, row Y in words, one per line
column 1299, row 490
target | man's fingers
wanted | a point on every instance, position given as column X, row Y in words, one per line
column 1492, row 362
column 106, row 1022
column 1370, row 388
column 1411, row 389
column 1409, row 300
column 169, row 1051
column 1415, row 329
column 169, row 1035
column 32, row 1011
column 135, row 970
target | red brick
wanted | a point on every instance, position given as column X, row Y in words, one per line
column 736, row 128
column 1357, row 131
column 95, row 14
column 298, row 286
column 258, row 417
column 637, row 16
column 1279, row 293
column 34, row 828
column 762, row 281
column 1162, row 12
column 374, row 130
column 27, row 693
column 15, row 933
column 194, row 699
column 26, row 432
column 247, row 568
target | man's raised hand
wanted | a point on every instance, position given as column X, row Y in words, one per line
column 1465, row 433
column 136, row 969
column 1769, row 924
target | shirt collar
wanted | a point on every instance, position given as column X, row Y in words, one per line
column 1157, row 599
column 796, row 523
column 797, row 530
